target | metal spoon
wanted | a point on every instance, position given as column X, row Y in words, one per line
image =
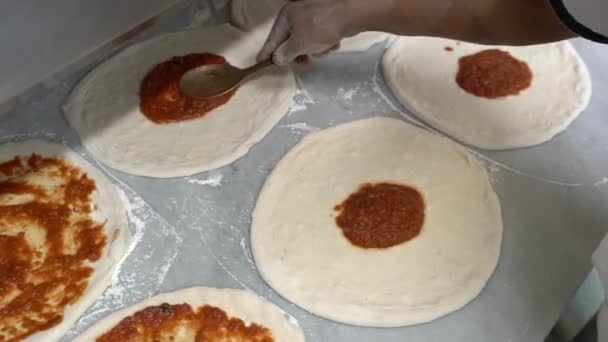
column 214, row 80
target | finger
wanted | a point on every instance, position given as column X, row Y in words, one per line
column 302, row 60
column 321, row 54
column 278, row 34
column 327, row 52
column 286, row 52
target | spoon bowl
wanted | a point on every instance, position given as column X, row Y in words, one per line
column 209, row 81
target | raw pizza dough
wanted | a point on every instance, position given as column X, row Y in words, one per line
column 107, row 206
column 421, row 74
column 302, row 254
column 258, row 16
column 104, row 108
column 236, row 303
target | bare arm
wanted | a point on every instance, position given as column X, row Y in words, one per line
column 497, row 22
column 315, row 26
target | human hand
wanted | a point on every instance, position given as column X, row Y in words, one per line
column 308, row 27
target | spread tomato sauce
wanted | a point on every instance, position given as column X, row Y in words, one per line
column 47, row 241
column 165, row 322
column 493, row 74
column 161, row 99
column 381, row 215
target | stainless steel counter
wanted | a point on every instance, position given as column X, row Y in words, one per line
column 194, row 231
column 42, row 39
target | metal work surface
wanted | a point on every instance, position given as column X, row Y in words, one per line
column 195, row 230
column 41, row 38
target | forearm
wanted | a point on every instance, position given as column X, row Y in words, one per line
column 509, row 22
column 316, row 26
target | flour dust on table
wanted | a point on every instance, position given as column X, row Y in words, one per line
column 132, row 116
column 63, row 232
column 377, row 223
column 198, row 314
column 492, row 97
column 258, row 17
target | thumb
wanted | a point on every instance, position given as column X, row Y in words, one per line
column 278, row 34
column 326, row 52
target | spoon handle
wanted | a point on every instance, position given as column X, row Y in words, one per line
column 261, row 65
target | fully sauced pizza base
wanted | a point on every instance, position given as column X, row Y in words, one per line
column 48, row 241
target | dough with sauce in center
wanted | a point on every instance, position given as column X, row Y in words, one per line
column 104, row 108
column 422, row 73
column 302, row 253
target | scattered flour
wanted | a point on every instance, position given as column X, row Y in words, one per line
column 292, row 320
column 137, row 223
column 136, row 278
column 246, row 252
column 214, row 180
column 602, row 181
column 42, row 135
column 301, row 101
column 348, row 94
column 302, row 127
column 493, row 168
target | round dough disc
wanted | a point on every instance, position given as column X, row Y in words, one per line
column 258, row 16
column 236, row 303
column 422, row 75
column 107, row 207
column 104, row 108
column 300, row 251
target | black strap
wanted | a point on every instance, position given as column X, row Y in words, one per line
column 575, row 25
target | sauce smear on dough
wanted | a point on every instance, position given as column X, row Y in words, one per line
column 381, row 215
column 493, row 74
column 47, row 241
column 161, row 99
column 167, row 322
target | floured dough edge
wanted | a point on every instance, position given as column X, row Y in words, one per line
column 110, row 207
column 241, row 304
